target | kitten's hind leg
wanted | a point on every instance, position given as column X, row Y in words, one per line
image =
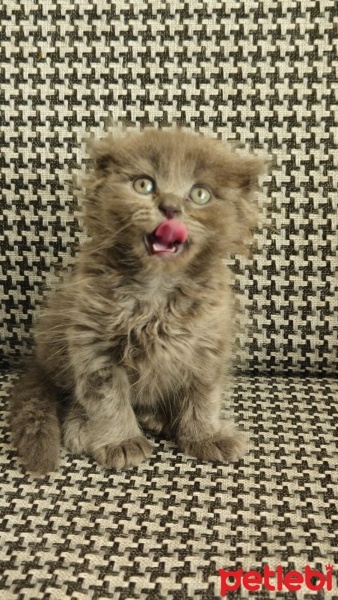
column 34, row 422
column 151, row 419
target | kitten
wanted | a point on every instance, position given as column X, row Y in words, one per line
column 141, row 337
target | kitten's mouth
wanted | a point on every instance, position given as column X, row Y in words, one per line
column 167, row 239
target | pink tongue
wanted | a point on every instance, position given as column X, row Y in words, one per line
column 171, row 231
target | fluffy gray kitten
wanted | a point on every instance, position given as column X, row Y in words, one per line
column 140, row 339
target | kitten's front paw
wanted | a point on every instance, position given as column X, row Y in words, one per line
column 220, row 448
column 128, row 454
column 75, row 435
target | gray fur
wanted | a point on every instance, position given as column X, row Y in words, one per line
column 136, row 341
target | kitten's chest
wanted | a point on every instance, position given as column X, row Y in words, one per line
column 158, row 356
column 158, row 336
column 163, row 339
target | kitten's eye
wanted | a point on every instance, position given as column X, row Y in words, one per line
column 143, row 185
column 200, row 194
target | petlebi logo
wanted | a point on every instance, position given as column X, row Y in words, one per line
column 276, row 580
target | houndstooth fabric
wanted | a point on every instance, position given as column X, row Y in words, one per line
column 162, row 530
column 264, row 73
column 260, row 72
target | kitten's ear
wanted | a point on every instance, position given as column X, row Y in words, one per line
column 248, row 170
column 103, row 152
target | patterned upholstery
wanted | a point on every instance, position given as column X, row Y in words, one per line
column 263, row 73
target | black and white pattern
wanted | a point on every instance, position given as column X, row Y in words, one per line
column 263, row 73
column 163, row 529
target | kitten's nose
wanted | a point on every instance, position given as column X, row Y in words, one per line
column 169, row 211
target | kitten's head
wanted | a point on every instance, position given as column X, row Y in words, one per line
column 168, row 199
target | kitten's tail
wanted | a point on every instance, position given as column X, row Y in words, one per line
column 34, row 421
